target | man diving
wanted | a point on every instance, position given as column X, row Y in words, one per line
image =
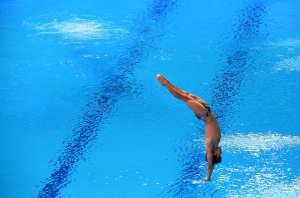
column 203, row 112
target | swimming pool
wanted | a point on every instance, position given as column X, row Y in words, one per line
column 82, row 114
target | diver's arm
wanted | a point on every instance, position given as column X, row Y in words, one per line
column 210, row 165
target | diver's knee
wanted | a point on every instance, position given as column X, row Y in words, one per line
column 188, row 94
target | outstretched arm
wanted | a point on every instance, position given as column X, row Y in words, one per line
column 210, row 165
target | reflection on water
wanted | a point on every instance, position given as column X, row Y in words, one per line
column 287, row 52
column 81, row 29
column 289, row 43
column 257, row 142
column 258, row 181
column 289, row 64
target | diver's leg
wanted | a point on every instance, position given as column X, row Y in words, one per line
column 198, row 99
column 192, row 101
column 174, row 90
column 196, row 107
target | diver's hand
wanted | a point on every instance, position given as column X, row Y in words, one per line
column 207, row 179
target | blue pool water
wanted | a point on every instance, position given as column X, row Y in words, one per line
column 82, row 114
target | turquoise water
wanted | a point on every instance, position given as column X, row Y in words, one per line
column 82, row 114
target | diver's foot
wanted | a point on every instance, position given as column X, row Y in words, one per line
column 161, row 79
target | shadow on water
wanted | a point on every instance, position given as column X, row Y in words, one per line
column 240, row 53
column 150, row 28
column 226, row 96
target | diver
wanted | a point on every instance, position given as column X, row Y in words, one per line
column 203, row 112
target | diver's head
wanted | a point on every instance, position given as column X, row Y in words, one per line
column 217, row 152
column 216, row 156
